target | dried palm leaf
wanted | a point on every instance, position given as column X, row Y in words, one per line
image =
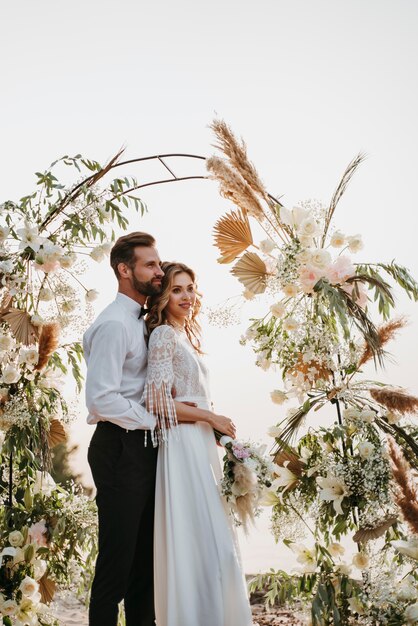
column 48, row 343
column 22, row 328
column 232, row 235
column 57, row 433
column 395, row 399
column 342, row 186
column 294, row 464
column 367, row 534
column 251, row 271
column 386, row 332
column 47, row 589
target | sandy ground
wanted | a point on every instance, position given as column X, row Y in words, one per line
column 71, row 612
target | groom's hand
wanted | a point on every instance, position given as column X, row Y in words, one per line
column 189, row 403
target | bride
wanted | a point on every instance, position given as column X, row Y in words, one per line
column 198, row 577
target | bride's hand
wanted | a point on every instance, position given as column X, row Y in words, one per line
column 224, row 425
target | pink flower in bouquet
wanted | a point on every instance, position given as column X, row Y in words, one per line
column 340, row 270
column 308, row 277
column 37, row 533
column 240, row 452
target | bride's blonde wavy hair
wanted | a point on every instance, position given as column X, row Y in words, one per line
column 157, row 304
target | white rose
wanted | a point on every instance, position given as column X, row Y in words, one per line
column 29, row 586
column 278, row 397
column 335, row 549
column 278, row 309
column 290, row 324
column 9, row 607
column 337, row 239
column 411, row 613
column 45, row 294
column 6, row 343
column 306, row 241
column 355, row 243
column 304, row 257
column 16, row 538
column 290, row 290
column 29, row 356
column 91, row 295
column 361, row 561
column 309, row 228
column 320, row 259
column 365, row 449
column 10, row 375
column 98, row 254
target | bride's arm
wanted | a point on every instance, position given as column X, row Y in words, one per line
column 160, row 378
column 186, row 413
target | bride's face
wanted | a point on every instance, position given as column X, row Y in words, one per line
column 182, row 297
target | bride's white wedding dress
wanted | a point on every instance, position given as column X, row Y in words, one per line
column 198, row 576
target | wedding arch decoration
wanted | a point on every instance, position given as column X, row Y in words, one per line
column 48, row 531
column 354, row 478
column 317, row 331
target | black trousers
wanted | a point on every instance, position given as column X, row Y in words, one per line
column 123, row 470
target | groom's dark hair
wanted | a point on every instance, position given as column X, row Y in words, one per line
column 124, row 249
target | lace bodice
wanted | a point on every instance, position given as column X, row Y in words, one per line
column 172, row 363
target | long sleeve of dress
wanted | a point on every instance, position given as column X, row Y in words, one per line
column 160, row 379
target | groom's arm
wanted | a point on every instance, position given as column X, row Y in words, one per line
column 105, row 356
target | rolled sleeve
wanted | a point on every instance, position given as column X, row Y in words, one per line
column 105, row 355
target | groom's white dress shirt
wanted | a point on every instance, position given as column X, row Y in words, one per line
column 116, row 357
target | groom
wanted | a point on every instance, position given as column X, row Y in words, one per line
column 121, row 455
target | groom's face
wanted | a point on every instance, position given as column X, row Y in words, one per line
column 146, row 274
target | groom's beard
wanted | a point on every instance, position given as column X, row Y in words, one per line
column 148, row 288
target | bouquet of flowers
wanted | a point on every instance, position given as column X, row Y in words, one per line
column 247, row 472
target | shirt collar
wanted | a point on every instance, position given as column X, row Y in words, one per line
column 128, row 303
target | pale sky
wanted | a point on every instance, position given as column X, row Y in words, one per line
column 307, row 83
